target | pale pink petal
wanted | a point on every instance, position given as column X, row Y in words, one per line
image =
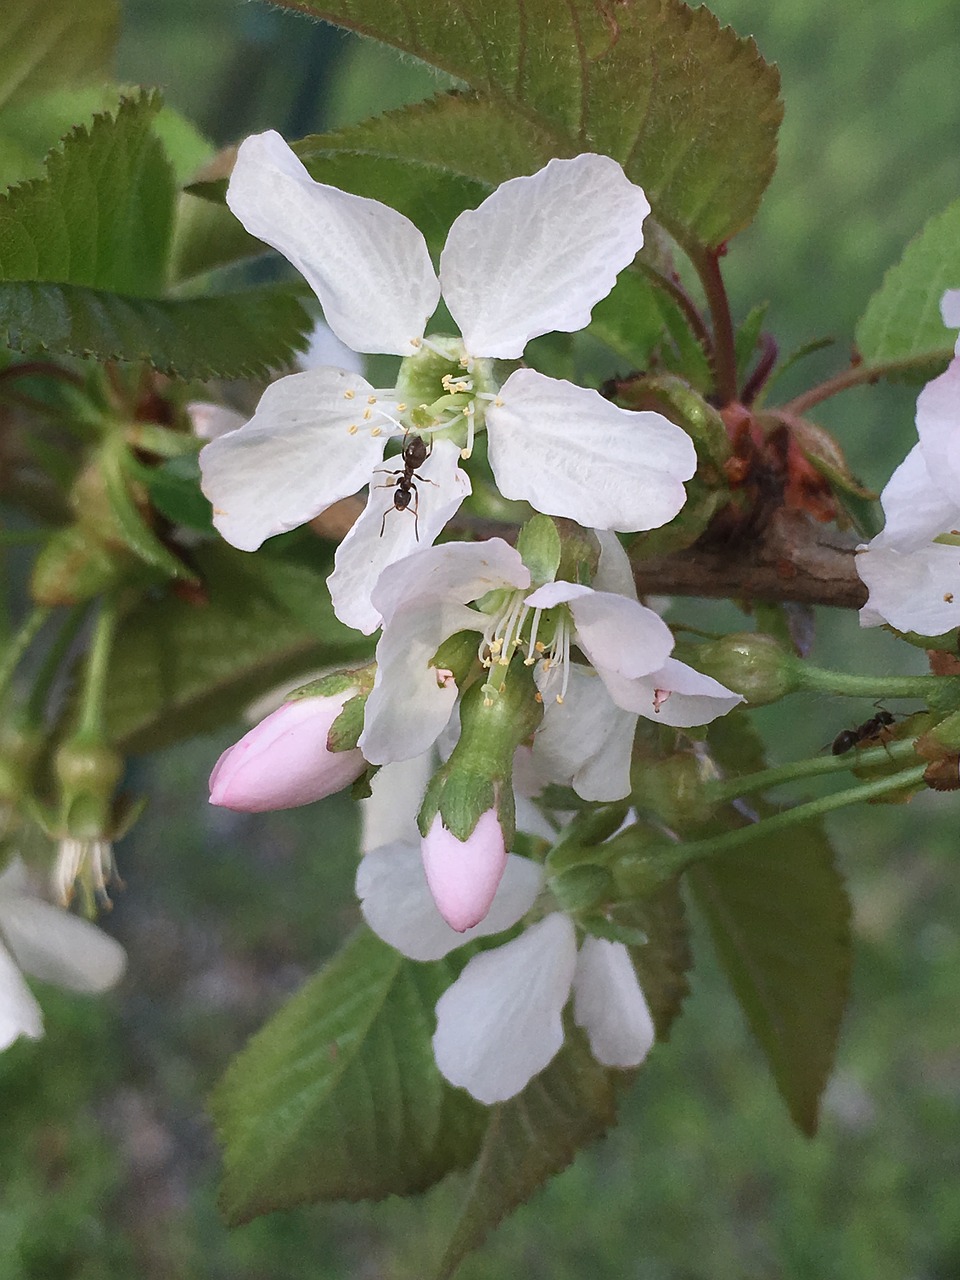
column 609, row 1004
column 367, row 263
column 389, row 813
column 382, row 534
column 411, row 701
column 614, row 572
column 675, row 695
column 284, row 762
column 463, row 875
column 913, row 591
column 307, row 446
column 938, row 425
column 916, row 509
column 210, row 421
column 569, row 452
column 397, row 904
column 620, row 635
column 457, row 571
column 586, row 741
column 55, row 946
column 500, row 1023
column 19, row 1012
column 540, row 252
column 950, row 308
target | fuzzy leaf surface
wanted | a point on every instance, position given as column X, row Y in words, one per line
column 689, row 108
column 48, row 46
column 187, row 665
column 530, row 1138
column 780, row 923
column 901, row 330
column 338, row 1096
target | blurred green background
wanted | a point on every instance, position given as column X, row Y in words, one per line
column 107, row 1162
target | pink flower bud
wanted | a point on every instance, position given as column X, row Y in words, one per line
column 284, row 761
column 463, row 874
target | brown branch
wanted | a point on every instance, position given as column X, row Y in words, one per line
column 796, row 561
column 857, row 375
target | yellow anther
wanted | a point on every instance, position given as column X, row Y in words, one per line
column 367, row 415
column 375, row 431
column 503, row 660
column 401, row 408
column 371, row 399
column 528, row 662
column 559, row 699
column 540, row 646
column 466, row 453
column 498, row 403
column 348, row 395
column 352, row 429
column 488, row 702
column 538, row 696
column 416, row 342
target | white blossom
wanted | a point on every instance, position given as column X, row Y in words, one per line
column 536, row 256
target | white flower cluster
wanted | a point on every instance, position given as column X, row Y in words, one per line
column 535, row 257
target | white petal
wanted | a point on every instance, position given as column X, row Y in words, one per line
column 500, row 1023
column 326, row 349
column 293, row 458
column 383, row 534
column 916, row 509
column 55, row 946
column 367, row 263
column 409, row 706
column 540, row 252
column 212, row 420
column 460, row 571
column 586, row 741
column 19, row 1012
column 916, row 590
column 613, row 570
column 389, row 813
column 938, row 425
column 397, row 904
column 620, row 635
column 676, row 695
column 15, row 880
column 610, row 1006
column 950, row 308
column 568, row 452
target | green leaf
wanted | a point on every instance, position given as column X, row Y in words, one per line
column 689, row 108
column 781, row 926
column 45, row 46
column 532, row 1137
column 628, row 320
column 186, row 665
column 663, row 961
column 232, row 335
column 338, row 1096
column 130, row 522
column 901, row 331
column 102, row 215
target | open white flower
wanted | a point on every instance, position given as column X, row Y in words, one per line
column 500, row 1023
column 424, row 599
column 912, row 567
column 536, row 256
column 50, row 944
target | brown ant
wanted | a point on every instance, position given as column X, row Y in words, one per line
column 414, row 454
column 876, row 727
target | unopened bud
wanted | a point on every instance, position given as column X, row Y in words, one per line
column 463, row 875
column 286, row 759
column 750, row 663
column 674, row 788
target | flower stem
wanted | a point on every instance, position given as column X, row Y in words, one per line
column 684, row 855
column 91, row 720
column 19, row 643
column 819, row 680
column 765, row 779
column 52, row 663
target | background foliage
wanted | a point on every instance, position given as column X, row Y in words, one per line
column 107, row 1162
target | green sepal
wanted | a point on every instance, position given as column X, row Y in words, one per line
column 539, row 546
column 344, row 733
column 580, row 838
column 334, row 682
column 753, row 664
column 73, row 567
column 582, row 888
column 129, row 518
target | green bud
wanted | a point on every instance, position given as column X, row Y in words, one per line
column 750, row 663
column 539, row 546
column 88, row 771
column 20, row 748
column 583, row 888
column 74, row 566
column 674, row 789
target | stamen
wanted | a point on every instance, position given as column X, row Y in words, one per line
column 352, row 429
column 376, row 431
column 367, row 415
column 371, row 399
column 349, row 395
column 534, row 647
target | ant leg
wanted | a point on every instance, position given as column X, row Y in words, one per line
column 383, row 522
column 424, row 480
column 416, row 510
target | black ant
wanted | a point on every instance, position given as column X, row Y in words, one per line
column 875, row 727
column 414, row 454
